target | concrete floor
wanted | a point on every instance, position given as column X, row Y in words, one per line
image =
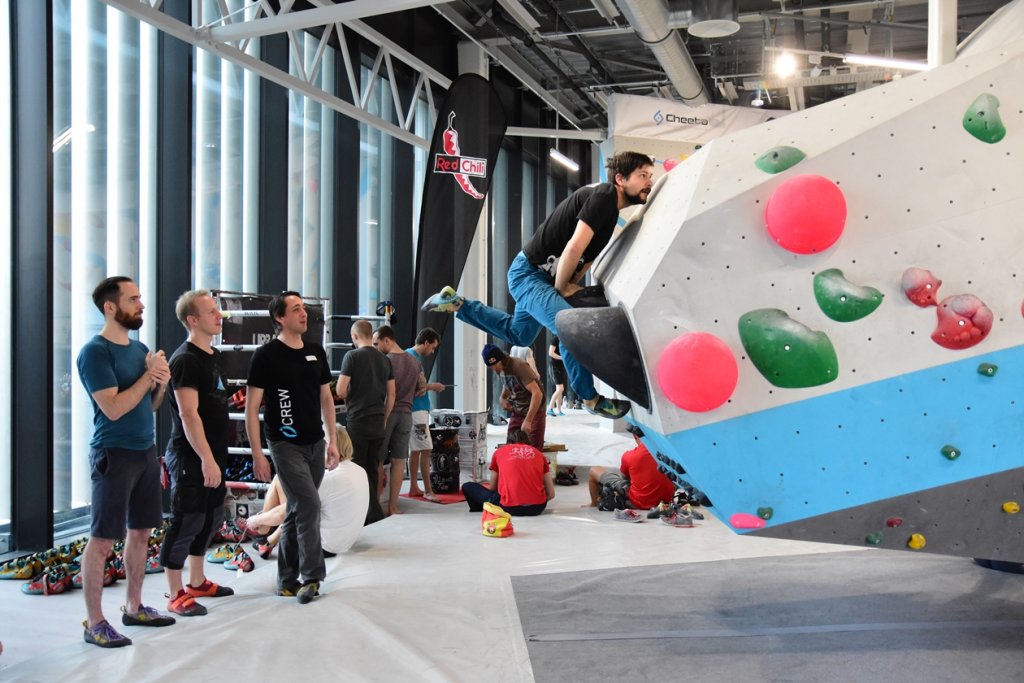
column 421, row 596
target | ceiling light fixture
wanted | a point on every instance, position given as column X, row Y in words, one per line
column 713, row 19
column 520, row 14
column 757, row 101
column 886, row 62
column 564, row 160
column 785, row 64
column 607, row 9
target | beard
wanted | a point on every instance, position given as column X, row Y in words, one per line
column 128, row 321
column 639, row 198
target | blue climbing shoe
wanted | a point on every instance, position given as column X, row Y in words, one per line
column 445, row 301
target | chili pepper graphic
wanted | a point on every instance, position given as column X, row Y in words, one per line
column 451, row 146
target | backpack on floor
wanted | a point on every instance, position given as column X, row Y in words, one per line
column 612, row 498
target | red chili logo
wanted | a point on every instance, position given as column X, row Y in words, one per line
column 460, row 167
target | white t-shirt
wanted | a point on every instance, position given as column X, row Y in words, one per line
column 344, row 498
column 523, row 353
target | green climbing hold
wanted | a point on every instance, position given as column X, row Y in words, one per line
column 987, row 369
column 778, row 159
column 982, row 119
column 789, row 354
column 842, row 300
column 765, row 513
column 874, row 538
column 951, row 452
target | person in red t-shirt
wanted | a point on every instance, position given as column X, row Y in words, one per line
column 646, row 487
column 521, row 481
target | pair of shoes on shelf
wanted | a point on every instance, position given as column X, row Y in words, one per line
column 611, row 408
column 445, row 301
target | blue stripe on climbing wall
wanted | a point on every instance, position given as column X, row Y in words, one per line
column 860, row 445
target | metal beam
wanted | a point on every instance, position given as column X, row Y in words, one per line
column 865, row 76
column 144, row 12
column 318, row 16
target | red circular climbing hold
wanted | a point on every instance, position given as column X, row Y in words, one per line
column 669, row 164
column 697, row 372
column 806, row 214
column 894, row 522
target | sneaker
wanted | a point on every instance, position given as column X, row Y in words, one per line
column 185, row 605
column 243, row 524
column 146, row 616
column 104, row 635
column 552, row 413
column 265, row 550
column 153, row 565
column 208, row 589
column 22, row 569
column 307, row 592
column 628, row 515
column 221, row 555
column 662, row 510
column 445, row 301
column 611, row 408
column 679, row 519
column 561, row 414
column 686, row 509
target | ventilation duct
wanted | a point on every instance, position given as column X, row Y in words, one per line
column 713, row 19
column 650, row 20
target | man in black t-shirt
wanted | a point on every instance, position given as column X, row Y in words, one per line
column 196, row 453
column 367, row 383
column 548, row 269
column 293, row 376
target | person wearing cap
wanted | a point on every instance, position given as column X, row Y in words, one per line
column 522, row 395
column 638, row 475
column 547, row 272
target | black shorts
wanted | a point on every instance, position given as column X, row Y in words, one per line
column 558, row 375
column 188, row 493
column 125, row 490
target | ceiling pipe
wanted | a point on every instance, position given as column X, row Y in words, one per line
column 650, row 19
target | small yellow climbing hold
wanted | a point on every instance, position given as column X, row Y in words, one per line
column 1011, row 507
column 916, row 542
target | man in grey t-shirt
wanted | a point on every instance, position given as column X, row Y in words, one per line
column 409, row 383
column 367, row 384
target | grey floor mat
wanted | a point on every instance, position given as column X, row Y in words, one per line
column 887, row 616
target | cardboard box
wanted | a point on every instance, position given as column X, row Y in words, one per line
column 243, row 502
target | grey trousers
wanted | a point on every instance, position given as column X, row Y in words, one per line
column 300, row 469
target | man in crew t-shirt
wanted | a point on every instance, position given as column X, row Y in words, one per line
column 293, row 376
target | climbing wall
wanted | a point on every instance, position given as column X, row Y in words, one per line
column 829, row 311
